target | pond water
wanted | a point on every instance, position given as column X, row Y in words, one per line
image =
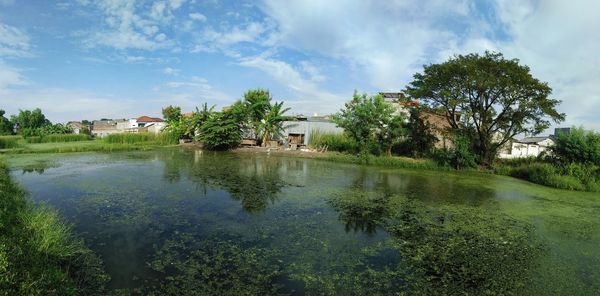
column 177, row 221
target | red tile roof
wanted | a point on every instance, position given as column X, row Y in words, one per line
column 148, row 119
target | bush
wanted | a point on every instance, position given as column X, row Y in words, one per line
column 458, row 157
column 578, row 146
column 332, row 142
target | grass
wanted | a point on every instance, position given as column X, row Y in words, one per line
column 136, row 138
column 332, row 142
column 572, row 176
column 9, row 142
column 58, row 138
column 387, row 161
column 115, row 142
column 39, row 255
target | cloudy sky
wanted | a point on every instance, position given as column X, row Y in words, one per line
column 88, row 59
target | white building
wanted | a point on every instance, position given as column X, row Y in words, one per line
column 528, row 147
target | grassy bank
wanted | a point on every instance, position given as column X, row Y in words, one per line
column 39, row 255
column 393, row 161
column 571, row 176
column 115, row 142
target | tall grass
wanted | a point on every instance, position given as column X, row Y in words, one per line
column 332, row 142
column 164, row 138
column 58, row 138
column 572, row 176
column 8, row 142
column 387, row 161
column 39, row 255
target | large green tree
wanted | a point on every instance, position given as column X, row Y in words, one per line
column 488, row 97
column 172, row 113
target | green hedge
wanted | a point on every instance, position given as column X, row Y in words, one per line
column 7, row 142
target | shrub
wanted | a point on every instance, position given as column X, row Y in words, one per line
column 332, row 142
column 579, row 146
column 458, row 157
column 221, row 132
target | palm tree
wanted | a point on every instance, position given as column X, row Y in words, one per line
column 271, row 124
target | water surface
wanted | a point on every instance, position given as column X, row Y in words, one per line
column 176, row 220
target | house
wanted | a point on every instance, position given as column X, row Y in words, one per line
column 527, row 147
column 298, row 132
column 77, row 127
column 102, row 128
column 438, row 123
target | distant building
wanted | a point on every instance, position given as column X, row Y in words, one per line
column 298, row 132
column 527, row 147
column 77, row 127
column 103, row 128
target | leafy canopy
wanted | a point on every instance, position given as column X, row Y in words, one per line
column 370, row 121
column 488, row 97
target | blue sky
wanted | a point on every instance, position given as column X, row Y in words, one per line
column 89, row 59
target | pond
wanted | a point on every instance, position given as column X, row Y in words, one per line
column 177, row 221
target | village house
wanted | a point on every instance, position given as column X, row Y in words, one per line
column 527, row 147
column 77, row 127
column 297, row 133
column 103, row 128
column 438, row 123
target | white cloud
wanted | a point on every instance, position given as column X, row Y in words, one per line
column 560, row 42
column 9, row 77
column 306, row 94
column 212, row 40
column 197, row 17
column 170, row 71
column 13, row 42
column 62, row 105
column 128, row 26
column 190, row 93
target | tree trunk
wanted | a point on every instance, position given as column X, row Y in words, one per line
column 389, row 151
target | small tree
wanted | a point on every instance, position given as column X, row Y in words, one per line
column 420, row 139
column 172, row 113
column 271, row 124
column 488, row 97
column 256, row 105
column 29, row 120
column 6, row 127
column 221, row 131
column 367, row 119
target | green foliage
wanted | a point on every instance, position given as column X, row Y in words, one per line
column 420, row 139
column 332, row 142
column 6, row 127
column 221, row 131
column 571, row 176
column 460, row 156
column 58, row 138
column 38, row 253
column 255, row 106
column 578, row 146
column 370, row 121
column 496, row 99
column 30, row 120
column 271, row 124
column 171, row 113
column 8, row 142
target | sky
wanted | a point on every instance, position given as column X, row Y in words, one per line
column 91, row 59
